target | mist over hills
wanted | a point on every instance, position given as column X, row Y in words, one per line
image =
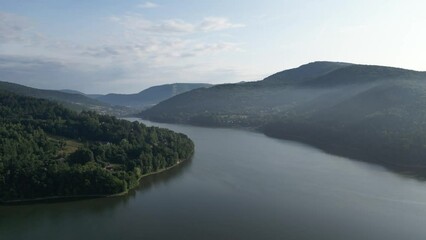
column 72, row 91
column 372, row 113
column 149, row 96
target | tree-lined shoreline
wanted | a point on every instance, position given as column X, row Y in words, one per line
column 48, row 151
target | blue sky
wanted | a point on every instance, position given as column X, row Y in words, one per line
column 127, row 45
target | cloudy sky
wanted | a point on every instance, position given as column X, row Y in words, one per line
column 124, row 46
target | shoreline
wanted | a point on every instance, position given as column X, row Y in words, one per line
column 417, row 172
column 54, row 199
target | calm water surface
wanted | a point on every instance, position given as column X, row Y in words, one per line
column 240, row 185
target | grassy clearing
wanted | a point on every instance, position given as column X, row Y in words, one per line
column 68, row 145
column 71, row 146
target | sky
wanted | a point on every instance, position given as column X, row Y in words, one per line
column 125, row 46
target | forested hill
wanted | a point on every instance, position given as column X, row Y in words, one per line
column 47, row 151
column 150, row 96
column 70, row 99
column 372, row 113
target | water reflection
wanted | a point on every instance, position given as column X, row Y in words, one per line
column 28, row 214
column 164, row 177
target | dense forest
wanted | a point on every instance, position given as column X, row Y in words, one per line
column 47, row 150
column 371, row 113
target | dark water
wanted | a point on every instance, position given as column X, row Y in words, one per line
column 240, row 185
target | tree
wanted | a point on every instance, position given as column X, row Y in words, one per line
column 81, row 156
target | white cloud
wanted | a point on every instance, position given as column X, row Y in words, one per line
column 216, row 24
column 148, row 5
column 163, row 41
column 212, row 48
column 176, row 25
column 169, row 26
column 137, row 51
column 139, row 23
column 159, row 52
column 48, row 73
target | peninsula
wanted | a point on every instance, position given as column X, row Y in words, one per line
column 48, row 151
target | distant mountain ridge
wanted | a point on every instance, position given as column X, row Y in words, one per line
column 71, row 100
column 114, row 104
column 372, row 113
column 48, row 94
column 150, row 96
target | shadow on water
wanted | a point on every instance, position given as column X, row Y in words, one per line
column 412, row 172
column 28, row 213
column 162, row 178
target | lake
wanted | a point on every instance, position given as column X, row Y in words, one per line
column 240, row 185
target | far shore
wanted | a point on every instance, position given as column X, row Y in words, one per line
column 417, row 172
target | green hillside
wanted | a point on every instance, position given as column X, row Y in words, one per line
column 48, row 151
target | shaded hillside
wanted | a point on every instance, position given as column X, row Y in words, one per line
column 150, row 96
column 74, row 101
column 372, row 113
column 292, row 93
column 383, row 124
column 248, row 104
column 361, row 74
column 304, row 73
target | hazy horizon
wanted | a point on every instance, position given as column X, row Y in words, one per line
column 127, row 46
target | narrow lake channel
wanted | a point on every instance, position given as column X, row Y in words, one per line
column 240, row 185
